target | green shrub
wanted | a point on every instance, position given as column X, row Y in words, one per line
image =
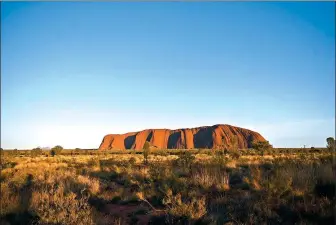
column 193, row 209
column 331, row 143
column 261, row 145
column 56, row 150
column 219, row 158
column 36, row 152
column 146, row 151
column 234, row 143
column 185, row 160
column 132, row 161
column 59, row 207
column 158, row 172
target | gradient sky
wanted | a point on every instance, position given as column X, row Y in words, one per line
column 73, row 72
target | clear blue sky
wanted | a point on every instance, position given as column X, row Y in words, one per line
column 73, row 72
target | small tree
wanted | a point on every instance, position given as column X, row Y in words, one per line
column 331, row 143
column 219, row 157
column 56, row 150
column 261, row 145
column 36, row 151
column 185, row 161
column 234, row 143
column 146, row 151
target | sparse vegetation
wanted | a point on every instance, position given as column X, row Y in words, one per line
column 331, row 143
column 146, row 151
column 261, row 146
column 56, row 150
column 234, row 144
column 178, row 187
column 36, row 152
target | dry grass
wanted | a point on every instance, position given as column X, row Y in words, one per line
column 211, row 177
column 174, row 189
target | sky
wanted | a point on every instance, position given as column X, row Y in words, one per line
column 72, row 72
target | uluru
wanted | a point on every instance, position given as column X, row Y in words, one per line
column 210, row 137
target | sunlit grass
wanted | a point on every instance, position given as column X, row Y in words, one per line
column 171, row 189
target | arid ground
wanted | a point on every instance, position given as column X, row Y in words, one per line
column 277, row 186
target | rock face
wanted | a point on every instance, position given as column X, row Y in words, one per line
column 211, row 137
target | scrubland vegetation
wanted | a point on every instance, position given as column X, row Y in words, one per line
column 273, row 186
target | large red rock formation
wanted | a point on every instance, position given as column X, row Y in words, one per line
column 217, row 136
